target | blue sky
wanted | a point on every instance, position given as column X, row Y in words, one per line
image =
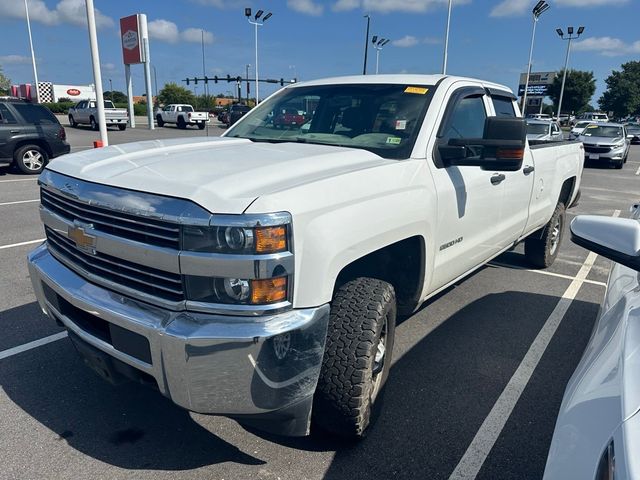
column 312, row 38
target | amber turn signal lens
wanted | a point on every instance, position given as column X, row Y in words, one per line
column 270, row 239
column 271, row 290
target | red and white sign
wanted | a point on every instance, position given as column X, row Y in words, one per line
column 74, row 92
column 130, row 33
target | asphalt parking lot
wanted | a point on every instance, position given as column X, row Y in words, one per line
column 477, row 378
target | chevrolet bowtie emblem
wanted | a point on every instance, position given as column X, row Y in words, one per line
column 84, row 241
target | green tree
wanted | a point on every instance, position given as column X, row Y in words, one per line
column 116, row 96
column 173, row 93
column 622, row 96
column 578, row 90
column 5, row 83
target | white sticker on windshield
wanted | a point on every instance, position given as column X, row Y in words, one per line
column 401, row 124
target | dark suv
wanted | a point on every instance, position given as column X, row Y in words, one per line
column 30, row 135
column 236, row 112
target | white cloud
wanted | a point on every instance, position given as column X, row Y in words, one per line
column 411, row 41
column 163, row 30
column 308, row 7
column 14, row 59
column 508, row 8
column 108, row 67
column 223, row 4
column 406, row 42
column 195, row 35
column 66, row 11
column 390, row 6
column 607, row 46
column 166, row 31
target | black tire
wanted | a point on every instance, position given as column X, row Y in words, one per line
column 94, row 125
column 354, row 369
column 181, row 123
column 159, row 120
column 72, row 121
column 201, row 125
column 541, row 249
column 122, row 127
column 30, row 159
column 619, row 165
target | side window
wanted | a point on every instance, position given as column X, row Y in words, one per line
column 554, row 128
column 503, row 107
column 179, row 109
column 466, row 119
column 6, row 117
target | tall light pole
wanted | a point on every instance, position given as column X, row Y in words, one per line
column 446, row 41
column 378, row 43
column 155, row 81
column 366, row 45
column 570, row 36
column 247, row 77
column 111, row 89
column 257, row 23
column 538, row 10
column 204, row 71
column 33, row 56
column 97, row 75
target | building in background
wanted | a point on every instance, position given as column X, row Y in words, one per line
column 52, row 92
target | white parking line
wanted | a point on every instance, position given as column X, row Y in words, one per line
column 20, row 201
column 638, row 171
column 543, row 272
column 19, row 180
column 35, row 344
column 30, row 242
column 477, row 452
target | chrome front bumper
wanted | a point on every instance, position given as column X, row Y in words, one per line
column 241, row 367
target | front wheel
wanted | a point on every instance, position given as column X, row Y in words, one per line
column 122, row 127
column 541, row 249
column 357, row 357
column 30, row 159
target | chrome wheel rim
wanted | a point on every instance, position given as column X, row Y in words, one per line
column 555, row 236
column 33, row 160
column 378, row 361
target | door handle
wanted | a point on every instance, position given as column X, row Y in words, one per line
column 14, row 131
column 528, row 169
column 497, row 179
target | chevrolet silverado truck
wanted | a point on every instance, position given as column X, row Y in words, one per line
column 182, row 116
column 86, row 112
column 259, row 275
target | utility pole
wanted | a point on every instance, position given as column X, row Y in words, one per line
column 97, row 75
column 366, row 45
column 446, row 42
column 538, row 10
column 569, row 37
column 33, row 56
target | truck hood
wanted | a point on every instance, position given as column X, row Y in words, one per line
column 605, row 141
column 223, row 175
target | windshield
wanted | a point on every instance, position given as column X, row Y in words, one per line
column 537, row 128
column 381, row 118
column 602, row 131
column 581, row 124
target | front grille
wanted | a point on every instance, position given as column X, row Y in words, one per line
column 158, row 283
column 595, row 149
column 125, row 225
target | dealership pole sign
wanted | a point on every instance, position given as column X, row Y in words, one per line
column 130, row 33
column 539, row 83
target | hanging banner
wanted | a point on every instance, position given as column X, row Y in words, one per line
column 131, row 36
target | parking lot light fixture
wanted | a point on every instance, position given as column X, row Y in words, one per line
column 256, row 22
column 378, row 43
column 541, row 7
column 570, row 36
column 366, row 45
column 446, row 41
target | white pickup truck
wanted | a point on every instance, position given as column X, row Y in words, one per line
column 86, row 112
column 182, row 115
column 259, row 275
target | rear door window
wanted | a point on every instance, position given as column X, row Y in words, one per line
column 503, row 107
column 35, row 114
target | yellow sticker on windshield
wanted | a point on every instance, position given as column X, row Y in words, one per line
column 416, row 90
column 592, row 126
column 394, row 140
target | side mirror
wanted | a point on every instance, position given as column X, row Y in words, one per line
column 630, row 136
column 501, row 147
column 617, row 239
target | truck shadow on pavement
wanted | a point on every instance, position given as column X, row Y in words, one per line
column 439, row 392
column 129, row 426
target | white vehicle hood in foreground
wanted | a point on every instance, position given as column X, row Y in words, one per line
column 223, row 175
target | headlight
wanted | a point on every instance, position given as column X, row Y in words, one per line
column 247, row 244
column 618, row 145
column 232, row 239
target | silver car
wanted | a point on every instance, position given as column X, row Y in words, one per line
column 578, row 128
column 597, row 433
column 543, row 130
column 606, row 142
